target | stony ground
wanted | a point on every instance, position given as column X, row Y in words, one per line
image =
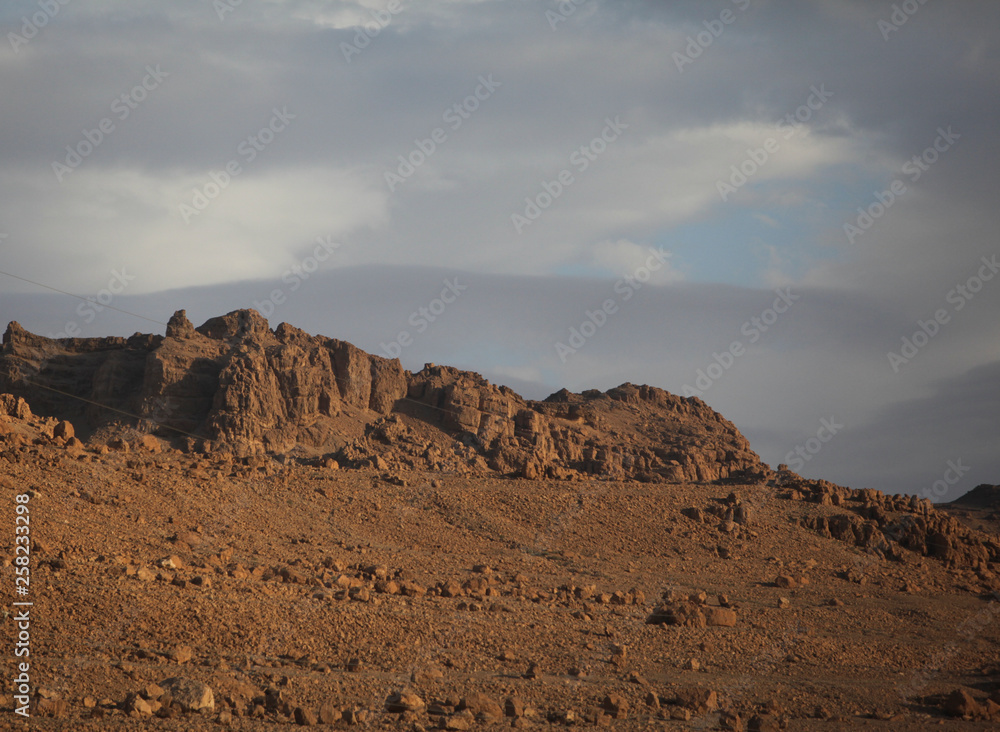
column 410, row 600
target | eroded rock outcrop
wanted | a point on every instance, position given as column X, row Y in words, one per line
column 247, row 389
column 889, row 525
column 233, row 381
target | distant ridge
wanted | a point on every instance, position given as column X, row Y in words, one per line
column 235, row 385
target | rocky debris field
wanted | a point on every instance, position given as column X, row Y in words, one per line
column 187, row 586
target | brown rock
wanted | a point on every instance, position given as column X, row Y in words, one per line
column 460, row 721
column 764, row 723
column 189, row 538
column 136, row 704
column 328, row 714
column 412, row 589
column 961, row 703
column 731, row 722
column 426, row 675
column 404, row 701
column 616, row 704
column 191, row 695
column 697, row 699
column 482, row 707
column 720, row 616
column 682, row 613
column 304, row 717
column 514, row 707
column 64, row 430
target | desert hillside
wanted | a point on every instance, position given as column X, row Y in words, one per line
column 239, row 527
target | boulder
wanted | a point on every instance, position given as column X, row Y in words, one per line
column 189, row 694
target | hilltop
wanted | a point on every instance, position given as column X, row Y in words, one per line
column 252, row 528
column 234, row 385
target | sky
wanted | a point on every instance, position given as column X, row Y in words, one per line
column 787, row 209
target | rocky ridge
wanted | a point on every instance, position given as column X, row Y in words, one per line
column 234, row 385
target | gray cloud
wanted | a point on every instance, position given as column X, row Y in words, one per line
column 323, row 175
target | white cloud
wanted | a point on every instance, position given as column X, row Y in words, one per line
column 255, row 228
column 623, row 257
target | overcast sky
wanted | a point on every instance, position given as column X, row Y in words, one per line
column 578, row 194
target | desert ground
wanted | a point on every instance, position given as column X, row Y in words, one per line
column 403, row 581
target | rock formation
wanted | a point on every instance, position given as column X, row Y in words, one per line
column 235, row 385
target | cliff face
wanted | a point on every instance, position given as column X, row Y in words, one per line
column 235, row 385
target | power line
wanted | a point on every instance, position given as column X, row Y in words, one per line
column 151, row 320
column 25, row 380
column 79, row 297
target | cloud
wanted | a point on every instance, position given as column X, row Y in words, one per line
column 506, row 327
column 625, row 258
column 656, row 182
column 255, row 227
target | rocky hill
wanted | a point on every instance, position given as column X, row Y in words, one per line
column 234, row 385
column 979, row 508
column 239, row 528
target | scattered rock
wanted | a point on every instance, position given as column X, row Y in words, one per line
column 961, row 703
column 482, row 707
column 404, row 701
column 426, row 675
column 514, row 707
column 328, row 714
column 720, row 616
column 191, row 695
column 64, row 430
column 697, row 699
column 616, row 704
column 304, row 717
